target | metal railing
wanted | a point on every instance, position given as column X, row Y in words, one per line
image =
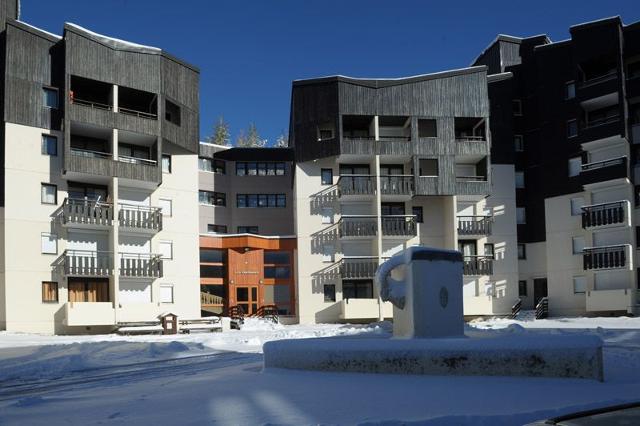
column 600, row 121
column 141, row 114
column 136, row 160
column 599, row 79
column 477, row 265
column 358, row 267
column 397, row 184
column 464, row 138
column 603, row 214
column 605, row 257
column 90, row 154
column 542, row 308
column 86, row 212
column 515, row 309
column 394, row 138
column 605, row 163
column 475, row 225
column 85, row 263
column 140, row 265
column 471, row 178
column 140, row 217
column 356, row 185
column 357, row 226
column 401, row 225
column 91, row 104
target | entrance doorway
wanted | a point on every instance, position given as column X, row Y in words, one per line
column 539, row 289
column 247, row 299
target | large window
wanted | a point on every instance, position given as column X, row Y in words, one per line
column 88, row 290
column 427, row 128
column 428, row 166
column 329, row 292
column 277, row 257
column 357, row 289
column 213, row 198
column 217, row 229
column 211, row 271
column 261, row 200
column 212, row 255
column 248, row 230
column 49, row 145
column 521, row 215
column 49, row 292
column 253, row 168
column 48, row 194
column 166, row 293
column 277, row 272
column 417, row 212
column 211, row 165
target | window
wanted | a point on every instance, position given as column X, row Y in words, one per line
column 575, row 166
column 219, row 166
column 166, row 293
column 327, row 215
column 489, row 250
column 428, row 166
column 325, row 131
column 577, row 244
column 327, row 176
column 427, row 128
column 522, row 251
column 329, row 292
column 518, row 143
column 166, row 163
column 212, row 255
column 517, row 107
column 165, row 205
column 166, row 249
column 50, row 97
column 261, row 200
column 49, row 145
column 357, row 289
column 521, row 216
column 217, row 229
column 572, row 128
column 49, row 292
column 570, row 90
column 277, row 272
column 277, row 257
column 213, row 198
column 579, row 284
column 248, row 230
column 519, row 179
column 252, row 168
column 327, row 253
column 522, row 288
column 417, row 212
column 48, row 243
column 171, row 112
column 576, row 206
column 48, row 194
column 211, row 271
column 205, row 164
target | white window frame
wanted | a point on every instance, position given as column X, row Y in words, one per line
column 580, row 278
column 170, row 205
column 50, row 239
column 162, row 254
column 171, row 288
column 572, row 207
column 575, row 240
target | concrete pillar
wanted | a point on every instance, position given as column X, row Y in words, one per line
column 114, row 243
column 114, row 145
column 378, row 209
column 115, row 98
column 450, row 223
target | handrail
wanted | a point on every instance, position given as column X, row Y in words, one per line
column 140, row 114
column 604, row 163
column 471, row 138
column 136, row 160
column 392, row 138
column 90, row 253
column 137, row 207
column 476, row 217
column 355, row 138
column 604, row 205
column 91, row 104
column 89, row 153
column 72, row 200
column 542, row 308
column 142, row 256
column 472, row 178
column 515, row 309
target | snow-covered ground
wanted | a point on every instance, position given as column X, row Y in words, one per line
column 218, row 378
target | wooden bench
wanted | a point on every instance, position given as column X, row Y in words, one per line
column 141, row 327
column 209, row 324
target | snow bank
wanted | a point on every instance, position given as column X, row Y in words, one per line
column 516, row 354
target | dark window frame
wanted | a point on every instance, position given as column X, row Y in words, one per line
column 522, row 288
column 55, row 193
column 418, row 212
column 42, row 145
column 216, row 229
column 323, row 180
column 248, row 229
column 523, row 255
column 46, row 89
column 329, row 293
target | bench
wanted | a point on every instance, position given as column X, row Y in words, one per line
column 141, row 327
column 209, row 324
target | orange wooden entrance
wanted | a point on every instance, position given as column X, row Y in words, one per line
column 247, row 299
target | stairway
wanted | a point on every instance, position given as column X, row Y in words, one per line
column 526, row 315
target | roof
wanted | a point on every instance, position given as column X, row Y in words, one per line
column 602, row 21
column 255, row 154
column 35, row 30
column 499, row 77
column 508, row 39
column 386, row 82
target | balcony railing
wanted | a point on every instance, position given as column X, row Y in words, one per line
column 605, row 163
column 605, row 257
column 90, row 154
column 86, row 212
column 599, row 122
column 357, row 226
column 141, row 114
column 477, row 265
column 396, row 184
column 465, row 138
column 91, row 104
column 136, row 160
column 140, row 265
column 356, row 185
column 402, row 225
column 471, row 178
column 83, row 263
column 358, row 267
column 599, row 79
column 140, row 217
column 475, row 225
column 603, row 214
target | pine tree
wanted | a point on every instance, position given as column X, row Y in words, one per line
column 251, row 139
column 241, row 140
column 221, row 135
column 282, row 141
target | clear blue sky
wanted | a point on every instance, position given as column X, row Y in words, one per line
column 248, row 52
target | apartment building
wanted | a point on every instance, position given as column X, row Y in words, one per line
column 566, row 116
column 247, row 242
column 99, row 221
column 383, row 164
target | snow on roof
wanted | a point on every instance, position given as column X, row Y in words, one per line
column 215, row 145
column 41, row 30
column 596, row 21
column 434, row 75
column 113, row 42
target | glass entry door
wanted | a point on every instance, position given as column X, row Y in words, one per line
column 247, row 299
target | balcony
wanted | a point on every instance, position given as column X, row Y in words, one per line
column 86, row 213
column 477, row 265
column 89, row 314
column 604, row 214
column 606, row 257
column 399, row 226
column 358, row 309
column 356, row 185
column 140, row 265
column 84, row 263
column 361, row 267
column 598, row 86
column 397, row 185
column 601, row 171
column 475, row 225
column 472, row 185
column 368, row 146
column 357, row 226
column 140, row 218
column 600, row 129
column 610, row 300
